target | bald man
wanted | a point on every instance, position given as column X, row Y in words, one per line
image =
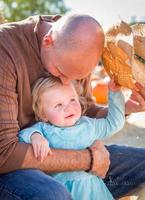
column 72, row 47
column 69, row 48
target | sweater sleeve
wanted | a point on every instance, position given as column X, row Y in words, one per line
column 9, row 147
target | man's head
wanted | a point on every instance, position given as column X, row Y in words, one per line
column 72, row 47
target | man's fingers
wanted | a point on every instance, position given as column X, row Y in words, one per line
column 97, row 144
column 139, row 99
column 141, row 89
column 101, row 158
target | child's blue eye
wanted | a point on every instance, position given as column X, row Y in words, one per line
column 72, row 100
column 58, row 105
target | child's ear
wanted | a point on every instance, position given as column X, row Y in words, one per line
column 45, row 120
column 47, row 41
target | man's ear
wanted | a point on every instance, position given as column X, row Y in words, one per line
column 47, row 41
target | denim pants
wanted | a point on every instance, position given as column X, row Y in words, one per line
column 31, row 184
column 127, row 171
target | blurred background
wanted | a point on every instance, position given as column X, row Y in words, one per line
column 107, row 12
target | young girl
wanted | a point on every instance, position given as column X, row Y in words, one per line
column 61, row 125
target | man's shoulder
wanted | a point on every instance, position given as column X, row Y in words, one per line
column 30, row 20
column 50, row 17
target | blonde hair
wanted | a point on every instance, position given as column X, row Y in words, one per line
column 82, row 87
column 40, row 86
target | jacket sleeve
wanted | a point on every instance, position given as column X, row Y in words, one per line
column 12, row 153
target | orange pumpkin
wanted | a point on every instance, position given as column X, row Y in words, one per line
column 100, row 92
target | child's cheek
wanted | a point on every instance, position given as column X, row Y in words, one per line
column 57, row 118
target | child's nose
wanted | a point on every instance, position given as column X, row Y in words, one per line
column 68, row 107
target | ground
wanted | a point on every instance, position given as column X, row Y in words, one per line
column 133, row 133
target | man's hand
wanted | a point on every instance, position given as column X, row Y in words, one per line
column 101, row 160
column 136, row 102
column 40, row 146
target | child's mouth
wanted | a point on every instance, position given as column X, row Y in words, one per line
column 69, row 116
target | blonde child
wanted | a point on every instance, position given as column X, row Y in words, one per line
column 61, row 125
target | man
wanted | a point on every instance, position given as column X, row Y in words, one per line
column 69, row 48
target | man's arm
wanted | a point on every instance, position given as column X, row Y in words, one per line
column 61, row 160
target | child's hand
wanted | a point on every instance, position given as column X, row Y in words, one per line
column 113, row 86
column 40, row 146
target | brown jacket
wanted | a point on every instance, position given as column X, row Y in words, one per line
column 20, row 66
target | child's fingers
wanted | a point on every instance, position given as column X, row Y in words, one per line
column 117, row 87
column 111, row 82
column 42, row 153
column 35, row 149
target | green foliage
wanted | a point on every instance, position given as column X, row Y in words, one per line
column 2, row 19
column 20, row 9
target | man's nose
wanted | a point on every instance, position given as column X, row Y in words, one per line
column 64, row 80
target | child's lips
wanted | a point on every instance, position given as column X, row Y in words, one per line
column 69, row 116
